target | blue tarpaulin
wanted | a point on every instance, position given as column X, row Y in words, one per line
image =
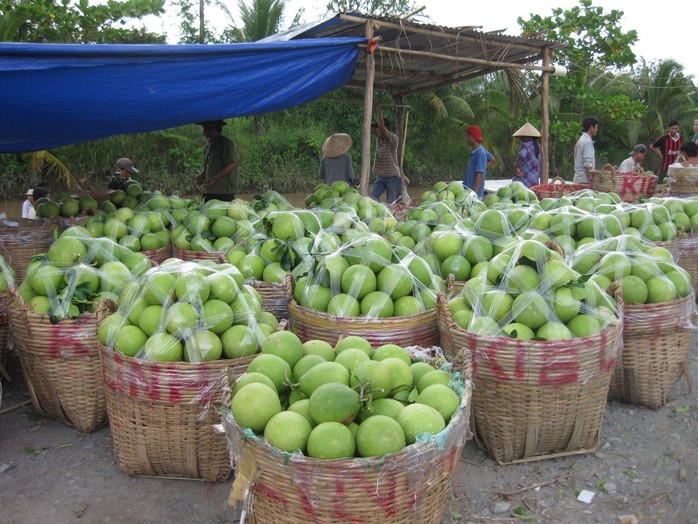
column 60, row 94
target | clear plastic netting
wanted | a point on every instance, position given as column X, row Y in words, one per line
column 368, row 277
column 529, row 292
column 646, row 273
column 188, row 311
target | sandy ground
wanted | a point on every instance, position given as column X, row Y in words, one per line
column 645, row 471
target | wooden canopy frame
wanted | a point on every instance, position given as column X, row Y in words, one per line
column 403, row 57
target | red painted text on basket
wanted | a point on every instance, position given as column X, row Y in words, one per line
column 62, row 339
column 647, row 183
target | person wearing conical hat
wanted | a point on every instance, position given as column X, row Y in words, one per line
column 335, row 164
column 529, row 160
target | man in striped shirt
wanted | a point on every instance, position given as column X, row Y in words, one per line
column 385, row 164
column 667, row 146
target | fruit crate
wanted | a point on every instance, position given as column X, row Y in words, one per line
column 162, row 414
column 410, row 486
column 683, row 181
column 60, row 363
column 688, row 257
column 419, row 329
column 187, row 254
column 629, row 186
column 274, row 298
column 656, row 341
column 19, row 245
column 535, row 399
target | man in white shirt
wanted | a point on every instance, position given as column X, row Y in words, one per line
column 28, row 205
column 632, row 163
column 584, row 156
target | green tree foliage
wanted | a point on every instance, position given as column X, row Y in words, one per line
column 259, row 19
column 371, row 7
column 77, row 22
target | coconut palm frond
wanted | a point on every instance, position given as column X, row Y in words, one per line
column 44, row 162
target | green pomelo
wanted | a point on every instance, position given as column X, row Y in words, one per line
column 302, row 407
column 496, row 304
column 109, row 327
column 373, row 377
column 584, row 325
column 634, row 289
column 531, row 309
column 442, row 398
column 566, row 305
column 239, row 341
column 416, row 419
column 254, row 405
column 284, row 344
column 305, row 363
column 203, row 346
column 192, row 287
column 217, row 316
column 660, row 289
column 379, row 435
column 274, row 367
column 181, row 318
column 344, row 305
column 159, row 288
column 351, row 357
column 288, row 431
column 554, row 331
column 377, row 304
column 353, row 341
column 391, row 351
column 250, row 377
column 319, row 347
column 388, row 407
column 334, row 402
column 331, row 440
column 129, row 340
column 323, row 373
column 150, row 319
column 436, row 376
column 419, row 369
column 163, row 347
column 520, row 331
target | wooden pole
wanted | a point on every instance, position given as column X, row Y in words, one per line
column 368, row 112
column 399, row 126
column 545, row 118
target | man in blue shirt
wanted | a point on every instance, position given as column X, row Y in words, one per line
column 476, row 171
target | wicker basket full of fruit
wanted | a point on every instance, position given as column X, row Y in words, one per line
column 375, row 439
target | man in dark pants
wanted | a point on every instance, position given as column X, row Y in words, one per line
column 218, row 177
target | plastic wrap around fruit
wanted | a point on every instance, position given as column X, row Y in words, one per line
column 188, row 311
column 77, row 272
column 528, row 292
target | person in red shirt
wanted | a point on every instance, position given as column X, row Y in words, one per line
column 667, row 147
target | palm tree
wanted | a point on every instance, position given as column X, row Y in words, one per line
column 260, row 19
column 668, row 94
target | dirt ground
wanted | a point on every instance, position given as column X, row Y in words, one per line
column 645, row 471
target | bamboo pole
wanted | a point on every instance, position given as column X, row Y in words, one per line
column 461, row 59
column 545, row 118
column 368, row 112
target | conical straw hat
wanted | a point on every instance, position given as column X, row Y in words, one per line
column 336, row 145
column 527, row 130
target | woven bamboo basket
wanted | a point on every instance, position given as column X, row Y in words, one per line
column 535, row 400
column 4, row 327
column 158, row 256
column 453, row 341
column 688, row 257
column 629, row 186
column 420, row 329
column 656, row 341
column 556, row 189
column 18, row 246
column 683, row 181
column 274, row 298
column 195, row 256
column 162, row 414
column 411, row 486
column 60, row 363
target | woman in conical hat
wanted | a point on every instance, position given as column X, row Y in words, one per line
column 529, row 161
column 336, row 163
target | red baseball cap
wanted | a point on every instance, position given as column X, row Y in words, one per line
column 475, row 131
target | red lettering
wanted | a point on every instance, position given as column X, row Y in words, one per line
column 488, row 356
column 557, row 369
